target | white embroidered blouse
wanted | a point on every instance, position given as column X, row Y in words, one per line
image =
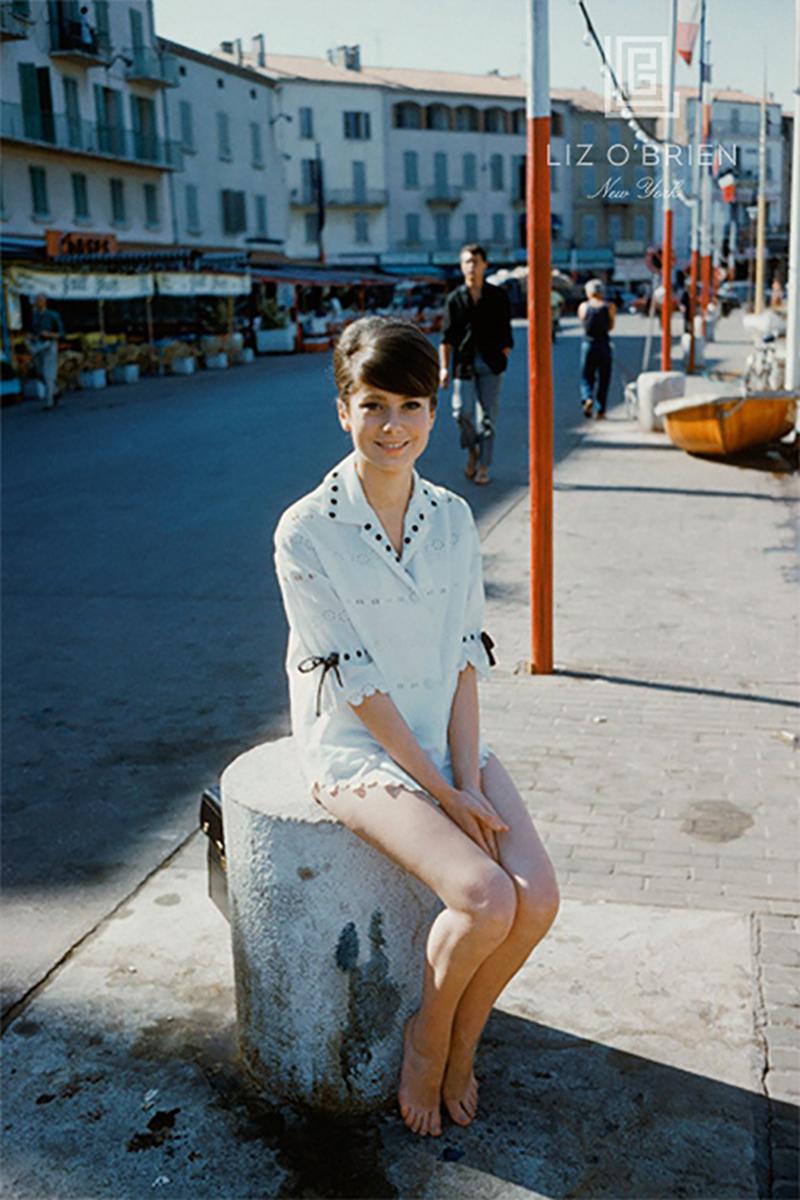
column 364, row 619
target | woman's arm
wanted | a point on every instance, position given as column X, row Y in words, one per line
column 463, row 730
column 386, row 724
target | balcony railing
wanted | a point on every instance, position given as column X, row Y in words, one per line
column 152, row 66
column 84, row 137
column 444, row 194
column 79, row 42
column 13, row 23
column 357, row 197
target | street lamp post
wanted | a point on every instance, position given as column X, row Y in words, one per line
column 793, row 282
column 666, row 312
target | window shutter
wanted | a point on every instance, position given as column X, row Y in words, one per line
column 29, row 92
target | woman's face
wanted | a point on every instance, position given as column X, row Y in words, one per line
column 388, row 430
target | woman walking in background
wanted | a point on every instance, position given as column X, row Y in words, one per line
column 597, row 316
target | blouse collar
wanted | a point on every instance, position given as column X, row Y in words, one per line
column 346, row 502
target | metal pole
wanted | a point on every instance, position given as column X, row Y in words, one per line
column 695, row 245
column 666, row 312
column 793, row 323
column 761, row 216
column 540, row 395
column 705, row 190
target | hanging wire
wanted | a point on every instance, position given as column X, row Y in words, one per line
column 623, row 99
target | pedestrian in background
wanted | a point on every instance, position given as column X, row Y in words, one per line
column 597, row 316
column 380, row 573
column 46, row 328
column 476, row 341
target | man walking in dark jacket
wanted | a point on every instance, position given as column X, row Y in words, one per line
column 476, row 340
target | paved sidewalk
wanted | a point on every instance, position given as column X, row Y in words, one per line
column 650, row 1048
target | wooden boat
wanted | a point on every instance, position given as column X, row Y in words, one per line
column 726, row 425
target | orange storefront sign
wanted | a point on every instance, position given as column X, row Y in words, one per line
column 62, row 245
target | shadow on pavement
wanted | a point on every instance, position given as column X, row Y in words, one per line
column 561, row 1116
column 687, row 688
column 671, row 491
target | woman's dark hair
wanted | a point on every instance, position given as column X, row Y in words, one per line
column 385, row 353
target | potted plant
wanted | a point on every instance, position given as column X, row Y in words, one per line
column 214, row 356
column 178, row 358
column 276, row 334
column 126, row 368
column 93, row 370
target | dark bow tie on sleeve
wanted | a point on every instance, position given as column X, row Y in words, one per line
column 331, row 663
column 488, row 646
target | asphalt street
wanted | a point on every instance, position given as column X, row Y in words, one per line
column 144, row 636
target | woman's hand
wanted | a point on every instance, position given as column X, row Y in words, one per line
column 473, row 813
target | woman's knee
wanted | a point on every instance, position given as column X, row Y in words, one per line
column 490, row 898
column 538, row 901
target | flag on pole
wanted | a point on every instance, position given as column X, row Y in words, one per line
column 688, row 28
column 728, row 184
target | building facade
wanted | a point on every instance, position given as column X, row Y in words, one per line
column 85, row 142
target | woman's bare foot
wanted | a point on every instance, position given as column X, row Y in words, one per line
column 420, row 1087
column 460, row 1087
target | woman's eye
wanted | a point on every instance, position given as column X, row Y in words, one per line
column 412, row 404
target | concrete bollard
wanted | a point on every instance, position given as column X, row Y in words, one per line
column 651, row 388
column 328, row 941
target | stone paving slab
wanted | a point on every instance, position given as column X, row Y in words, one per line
column 619, row 1064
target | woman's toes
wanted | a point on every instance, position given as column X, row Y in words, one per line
column 435, row 1127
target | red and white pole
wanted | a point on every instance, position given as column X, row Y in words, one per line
column 666, row 311
column 694, row 267
column 705, row 190
column 540, row 383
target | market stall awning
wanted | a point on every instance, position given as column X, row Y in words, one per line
column 321, row 276
column 97, row 285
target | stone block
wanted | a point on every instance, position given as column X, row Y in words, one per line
column 652, row 387
column 328, row 941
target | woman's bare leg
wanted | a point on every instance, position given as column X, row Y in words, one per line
column 480, row 902
column 524, row 858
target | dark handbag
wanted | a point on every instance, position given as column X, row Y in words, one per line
column 211, row 825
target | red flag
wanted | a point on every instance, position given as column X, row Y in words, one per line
column 688, row 28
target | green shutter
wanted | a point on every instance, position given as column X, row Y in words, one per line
column 102, row 26
column 29, row 92
column 137, row 29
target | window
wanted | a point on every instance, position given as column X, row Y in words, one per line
column 117, row 202
column 187, row 127
column 494, row 120
column 306, row 123
column 467, row 119
column 470, row 172
column 518, row 177
column 256, row 147
column 361, row 227
column 143, row 120
column 137, row 28
column 37, row 102
column 410, row 169
column 496, row 172
column 407, row 116
column 102, row 25
column 440, row 174
column 554, row 179
column 412, row 229
column 640, row 228
column 735, row 124
column 356, row 126
column 38, row 177
column 110, row 125
column 470, row 227
column 309, row 168
column 224, row 137
column 360, row 182
column 615, row 229
column 261, row 216
column 311, row 223
column 234, row 213
column 589, row 231
column 151, row 213
column 441, row 225
column 192, row 214
column 80, row 197
column 498, row 227
column 438, row 116
column 557, row 124
column 72, row 109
